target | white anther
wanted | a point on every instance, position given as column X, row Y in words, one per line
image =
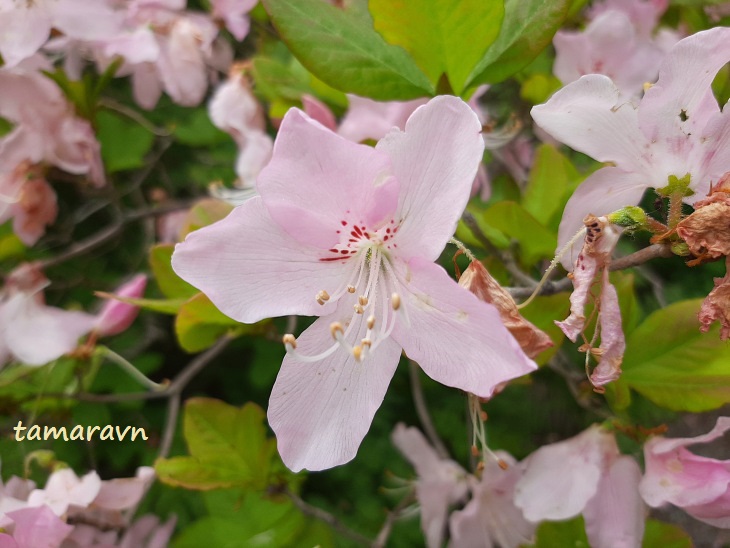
column 371, row 321
column 357, row 352
column 395, row 301
column 335, row 329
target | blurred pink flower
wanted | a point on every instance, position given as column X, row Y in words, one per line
column 30, row 331
column 35, row 527
column 698, row 485
column 350, row 233
column 64, row 489
column 28, row 200
column 585, row 474
column 116, row 316
column 677, row 130
column 441, row 482
column 233, row 14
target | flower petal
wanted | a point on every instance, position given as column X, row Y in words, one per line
column 615, row 516
column 38, row 527
column 457, row 339
column 435, row 160
column 613, row 343
column 589, row 116
column 368, row 119
column 251, row 269
column 317, row 179
column 681, row 101
column 562, row 477
column 606, row 191
column 321, row 411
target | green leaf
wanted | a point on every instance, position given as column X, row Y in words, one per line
column 543, row 312
column 528, row 27
column 194, row 128
column 204, row 213
column 561, row 533
column 510, row 218
column 199, row 324
column 443, row 36
column 164, row 306
column 171, row 285
column 228, row 448
column 124, row 143
column 538, row 88
column 552, row 176
column 666, row 535
column 341, row 48
column 670, row 362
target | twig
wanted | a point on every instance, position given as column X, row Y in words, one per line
column 505, row 257
column 550, row 288
column 168, row 433
column 654, row 251
column 382, row 538
column 327, row 518
column 422, row 409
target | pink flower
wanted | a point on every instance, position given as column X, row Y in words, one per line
column 350, row 233
column 698, row 485
column 35, row 528
column 441, row 482
column 235, row 110
column 233, row 14
column 585, row 474
column 116, row 316
column 64, row 489
column 30, row 202
column 677, row 130
column 30, row 331
column 593, row 260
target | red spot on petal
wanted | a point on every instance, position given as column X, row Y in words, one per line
column 344, row 223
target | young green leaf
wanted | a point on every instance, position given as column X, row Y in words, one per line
column 171, row 285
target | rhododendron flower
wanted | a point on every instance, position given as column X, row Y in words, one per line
column 618, row 42
column 677, row 130
column 441, row 482
column 585, row 474
column 599, row 242
column 235, row 110
column 698, row 485
column 491, row 518
column 34, row 527
column 350, row 233
column 29, row 201
column 64, row 488
column 233, row 14
column 116, row 316
column 30, row 331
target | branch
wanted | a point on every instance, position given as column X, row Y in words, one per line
column 327, row 518
column 382, row 538
column 654, row 251
column 422, row 410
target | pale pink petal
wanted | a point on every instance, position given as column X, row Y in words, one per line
column 6, row 541
column 181, row 66
column 491, row 517
column 613, row 343
column 367, row 119
column 251, row 269
column 37, row 334
column 147, row 531
column 435, row 160
column 318, row 182
column 146, row 85
column 715, row 140
column 23, row 30
column 716, row 512
column 615, row 516
column 124, row 493
column 321, row 411
column 414, row 446
column 235, row 110
column 320, row 112
column 116, row 316
column 38, row 528
column 644, row 14
column 584, row 273
column 233, row 13
column 607, row 190
column 457, row 339
column 675, row 475
column 72, row 18
column 562, row 477
column 255, row 154
column 136, row 46
column 681, row 101
column 64, row 488
column 36, row 209
column 589, row 116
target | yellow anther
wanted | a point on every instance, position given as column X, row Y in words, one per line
column 366, row 342
column 350, row 288
column 358, row 308
column 322, row 297
column 363, row 300
column 289, row 340
column 357, row 352
column 371, row 321
column 336, row 327
column 395, row 301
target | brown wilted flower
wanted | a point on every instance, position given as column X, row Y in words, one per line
column 716, row 306
column 707, row 230
column 479, row 281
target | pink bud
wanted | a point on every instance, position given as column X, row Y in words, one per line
column 116, row 316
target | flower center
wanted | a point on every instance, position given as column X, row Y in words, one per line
column 372, row 289
column 355, row 236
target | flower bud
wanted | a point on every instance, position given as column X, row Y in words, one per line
column 116, row 316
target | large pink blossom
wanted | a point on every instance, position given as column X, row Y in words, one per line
column 698, row 485
column 678, row 129
column 585, row 475
column 349, row 233
column 618, row 42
